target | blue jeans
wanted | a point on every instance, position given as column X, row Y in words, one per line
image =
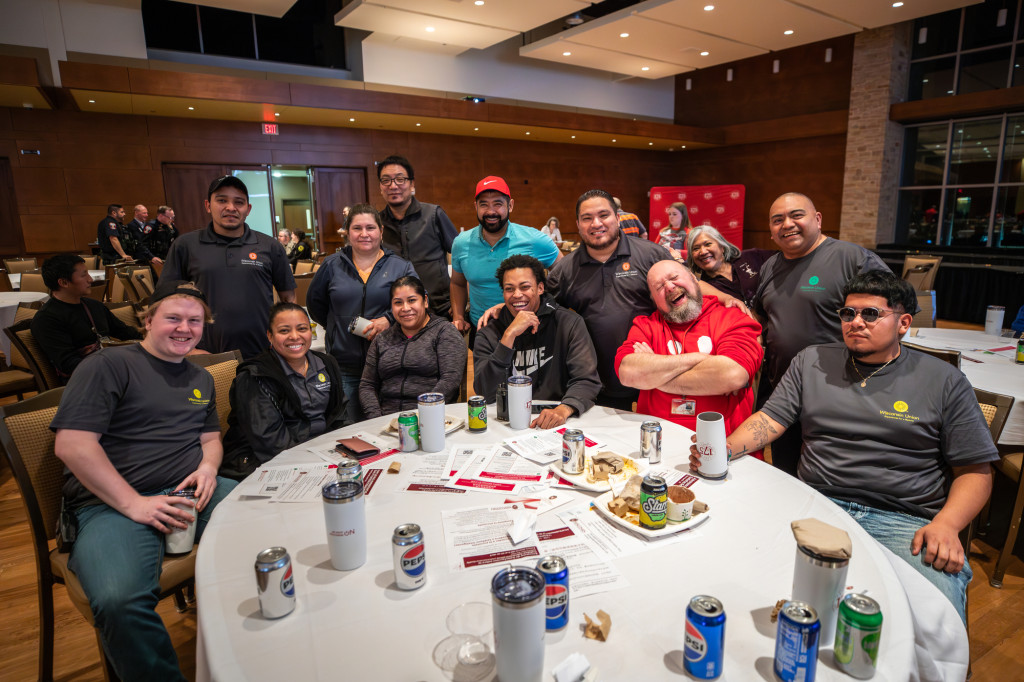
column 118, row 563
column 896, row 531
column 350, row 387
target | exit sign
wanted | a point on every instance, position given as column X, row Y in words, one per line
column 270, row 129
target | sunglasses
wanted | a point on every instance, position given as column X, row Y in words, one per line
column 869, row 315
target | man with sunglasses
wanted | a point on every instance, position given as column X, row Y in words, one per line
column 894, row 436
column 799, row 291
column 417, row 231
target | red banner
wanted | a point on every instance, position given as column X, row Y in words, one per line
column 720, row 206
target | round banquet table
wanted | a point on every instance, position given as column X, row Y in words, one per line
column 357, row 625
column 9, row 301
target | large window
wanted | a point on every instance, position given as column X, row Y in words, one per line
column 305, row 35
column 963, row 183
column 977, row 48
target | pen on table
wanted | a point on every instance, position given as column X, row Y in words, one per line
column 980, row 362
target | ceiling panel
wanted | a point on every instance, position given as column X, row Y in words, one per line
column 18, row 96
column 875, row 13
column 598, row 57
column 367, row 16
column 270, row 8
column 761, row 23
column 663, row 41
column 519, row 16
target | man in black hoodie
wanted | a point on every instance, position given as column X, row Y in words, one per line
column 535, row 336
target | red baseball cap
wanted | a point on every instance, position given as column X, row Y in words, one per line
column 492, row 182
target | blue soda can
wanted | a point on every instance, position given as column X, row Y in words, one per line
column 796, row 642
column 704, row 652
column 556, row 592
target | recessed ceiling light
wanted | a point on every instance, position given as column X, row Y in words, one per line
column 276, row 113
column 527, row 132
column 92, row 101
column 418, row 125
column 897, row 4
column 682, row 146
column 476, row 129
column 705, row 53
column 708, row 8
column 566, row 54
column 650, row 144
column 645, row 68
column 574, row 137
column 191, row 108
column 788, row 32
column 430, row 29
column 623, row 35
column 351, row 120
column 478, row 2
column 614, row 140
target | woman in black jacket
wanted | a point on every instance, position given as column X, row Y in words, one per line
column 418, row 354
column 284, row 396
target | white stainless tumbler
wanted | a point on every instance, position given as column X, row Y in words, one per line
column 519, row 623
column 345, row 517
column 714, row 456
column 994, row 320
column 431, row 417
column 520, row 398
column 180, row 540
column 820, row 581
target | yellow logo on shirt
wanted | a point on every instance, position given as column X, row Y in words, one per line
column 899, row 412
column 900, row 406
column 198, row 398
column 321, row 377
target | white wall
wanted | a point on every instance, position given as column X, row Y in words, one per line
column 499, row 71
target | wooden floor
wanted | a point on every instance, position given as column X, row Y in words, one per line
column 996, row 616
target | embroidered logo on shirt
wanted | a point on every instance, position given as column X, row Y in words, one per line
column 321, row 377
column 813, row 284
column 900, row 408
column 625, row 266
column 674, row 347
column 197, row 398
column 252, row 255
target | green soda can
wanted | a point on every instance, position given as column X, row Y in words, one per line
column 858, row 631
column 408, row 431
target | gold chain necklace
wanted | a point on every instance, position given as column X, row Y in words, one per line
column 863, row 381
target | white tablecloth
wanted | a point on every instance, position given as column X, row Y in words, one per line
column 9, row 301
column 995, row 372
column 357, row 626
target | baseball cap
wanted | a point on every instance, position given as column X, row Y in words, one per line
column 492, row 182
column 228, row 181
column 171, row 287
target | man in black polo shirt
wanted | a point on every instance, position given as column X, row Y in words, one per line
column 418, row 232
column 237, row 268
column 110, row 235
column 71, row 325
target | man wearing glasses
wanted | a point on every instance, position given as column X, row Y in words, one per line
column 894, row 436
column 800, row 289
column 419, row 232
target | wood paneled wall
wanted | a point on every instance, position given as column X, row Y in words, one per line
column 90, row 160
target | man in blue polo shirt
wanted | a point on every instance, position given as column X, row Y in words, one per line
column 477, row 253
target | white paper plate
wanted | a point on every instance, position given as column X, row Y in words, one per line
column 580, row 480
column 601, row 504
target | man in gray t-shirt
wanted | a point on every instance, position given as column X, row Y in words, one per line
column 893, row 435
column 800, row 290
column 135, row 424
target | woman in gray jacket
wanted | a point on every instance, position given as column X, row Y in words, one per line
column 418, row 354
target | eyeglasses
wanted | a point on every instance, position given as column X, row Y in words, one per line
column 399, row 181
column 869, row 315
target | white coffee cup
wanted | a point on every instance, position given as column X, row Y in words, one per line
column 680, row 503
column 714, row 456
column 180, row 540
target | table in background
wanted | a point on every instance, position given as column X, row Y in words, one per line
column 9, row 301
column 993, row 372
column 357, row 625
column 15, row 277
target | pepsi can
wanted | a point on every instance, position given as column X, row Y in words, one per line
column 796, row 642
column 556, row 591
column 410, row 557
column 704, row 651
column 275, row 584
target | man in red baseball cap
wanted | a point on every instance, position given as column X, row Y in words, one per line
column 477, row 253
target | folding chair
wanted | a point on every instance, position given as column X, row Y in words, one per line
column 222, row 367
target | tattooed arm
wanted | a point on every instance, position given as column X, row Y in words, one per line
column 750, row 436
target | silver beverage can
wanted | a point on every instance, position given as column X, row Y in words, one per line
column 410, row 557
column 573, row 451
column 650, row 441
column 519, row 623
column 350, row 470
column 275, row 585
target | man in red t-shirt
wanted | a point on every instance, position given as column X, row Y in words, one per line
column 692, row 354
